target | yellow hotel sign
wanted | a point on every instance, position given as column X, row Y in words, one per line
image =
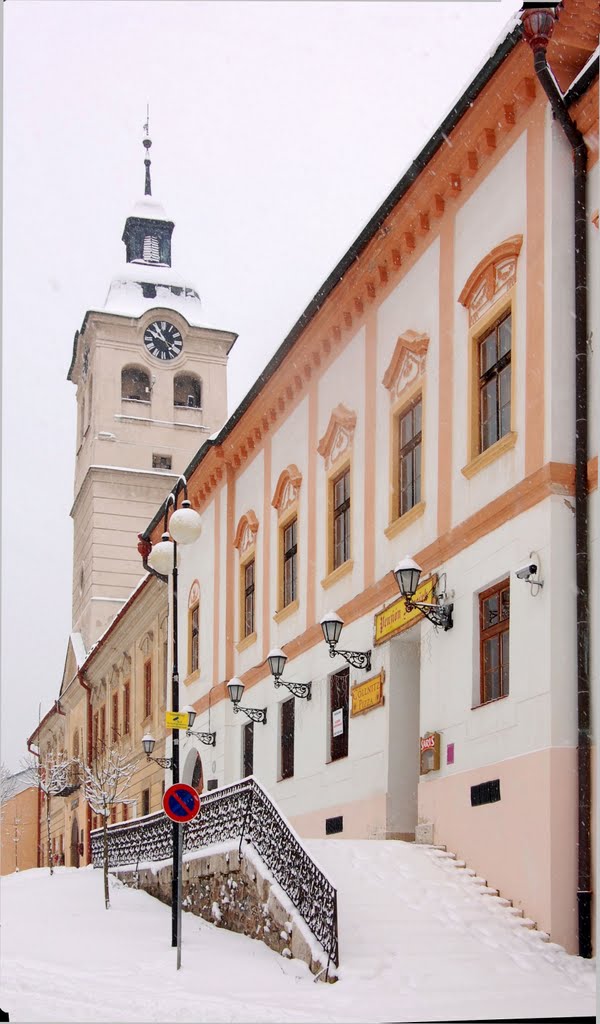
column 395, row 617
column 367, row 695
column 177, row 719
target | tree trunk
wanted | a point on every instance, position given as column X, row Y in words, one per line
column 105, row 838
column 48, row 829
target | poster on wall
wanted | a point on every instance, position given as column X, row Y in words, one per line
column 337, row 722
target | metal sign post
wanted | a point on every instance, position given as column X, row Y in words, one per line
column 179, row 877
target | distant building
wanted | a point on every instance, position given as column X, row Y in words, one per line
column 19, row 825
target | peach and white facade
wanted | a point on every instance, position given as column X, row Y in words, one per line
column 422, row 405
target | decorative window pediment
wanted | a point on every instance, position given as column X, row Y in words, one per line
column 194, row 594
column 287, row 489
column 339, row 436
column 492, row 278
column 146, row 643
column 407, row 363
column 245, row 535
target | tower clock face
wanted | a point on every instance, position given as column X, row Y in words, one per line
column 163, row 340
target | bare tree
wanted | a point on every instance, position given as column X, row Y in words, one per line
column 8, row 784
column 106, row 782
column 56, row 776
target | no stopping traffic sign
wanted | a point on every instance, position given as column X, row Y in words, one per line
column 181, row 802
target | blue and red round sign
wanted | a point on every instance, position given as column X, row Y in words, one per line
column 181, row 802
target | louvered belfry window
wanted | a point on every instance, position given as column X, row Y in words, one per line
column 151, row 249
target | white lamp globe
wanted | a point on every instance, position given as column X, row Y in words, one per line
column 185, row 525
column 161, row 558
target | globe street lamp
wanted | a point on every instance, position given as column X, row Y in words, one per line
column 184, row 527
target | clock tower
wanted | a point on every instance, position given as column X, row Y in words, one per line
column 151, row 388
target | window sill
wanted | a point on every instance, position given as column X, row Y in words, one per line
column 287, row 611
column 487, row 703
column 191, row 678
column 337, row 574
column 402, row 522
column 246, row 642
column 490, row 455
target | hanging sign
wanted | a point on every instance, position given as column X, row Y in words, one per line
column 177, row 720
column 367, row 695
column 337, row 722
column 429, row 753
column 395, row 618
column 181, row 802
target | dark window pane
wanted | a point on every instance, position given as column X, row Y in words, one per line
column 505, row 334
column 490, row 611
column 248, row 765
column 287, row 738
column 339, row 698
column 487, row 352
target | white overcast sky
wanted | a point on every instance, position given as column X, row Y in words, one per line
column 278, row 128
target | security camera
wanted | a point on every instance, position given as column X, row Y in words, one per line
column 526, row 571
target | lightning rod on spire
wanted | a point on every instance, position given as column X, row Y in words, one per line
column 147, row 142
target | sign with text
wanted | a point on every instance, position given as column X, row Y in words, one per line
column 337, row 722
column 367, row 695
column 429, row 752
column 395, row 618
column 177, row 719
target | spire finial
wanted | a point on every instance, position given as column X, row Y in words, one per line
column 147, row 142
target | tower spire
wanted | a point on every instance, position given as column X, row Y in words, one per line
column 147, row 142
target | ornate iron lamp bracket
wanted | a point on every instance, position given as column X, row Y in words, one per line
column 439, row 614
column 256, row 714
column 358, row 659
column 164, row 762
column 302, row 690
column 210, row 738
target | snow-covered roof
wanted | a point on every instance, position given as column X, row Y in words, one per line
column 126, row 295
column 149, row 208
column 78, row 648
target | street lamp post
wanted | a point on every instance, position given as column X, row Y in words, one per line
column 184, row 527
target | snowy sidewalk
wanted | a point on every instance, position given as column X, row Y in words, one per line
column 417, row 943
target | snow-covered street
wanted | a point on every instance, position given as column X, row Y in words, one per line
column 418, row 942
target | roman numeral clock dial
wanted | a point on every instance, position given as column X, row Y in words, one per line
column 163, row 340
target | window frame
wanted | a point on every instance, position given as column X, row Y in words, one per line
column 247, row 749
column 498, row 629
column 248, row 591
column 336, row 749
column 503, row 307
column 127, row 707
column 407, row 408
column 287, row 738
column 194, row 639
column 492, row 374
column 287, row 555
column 339, row 473
column 114, row 717
column 147, row 692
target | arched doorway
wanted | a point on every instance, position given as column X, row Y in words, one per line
column 74, row 843
column 193, row 773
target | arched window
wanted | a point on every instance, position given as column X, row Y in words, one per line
column 187, row 391
column 198, row 775
column 135, row 384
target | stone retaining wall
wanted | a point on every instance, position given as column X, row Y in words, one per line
column 231, row 892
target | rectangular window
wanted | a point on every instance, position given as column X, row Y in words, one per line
column 194, row 638
column 145, row 801
column 249, row 598
column 147, row 688
column 248, row 750
column 494, row 370
column 126, row 718
column 287, row 738
column 494, row 623
column 339, row 688
column 114, row 730
column 125, row 814
column 290, row 550
column 113, row 814
column 95, row 732
column 409, row 458
column 161, row 461
column 102, row 738
column 341, row 519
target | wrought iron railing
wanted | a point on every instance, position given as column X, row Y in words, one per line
column 242, row 811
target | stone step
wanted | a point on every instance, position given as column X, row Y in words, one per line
column 515, row 911
column 486, row 890
column 503, row 902
column 527, row 922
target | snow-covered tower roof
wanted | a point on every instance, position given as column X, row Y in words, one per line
column 147, row 278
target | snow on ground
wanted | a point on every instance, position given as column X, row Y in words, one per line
column 418, row 942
